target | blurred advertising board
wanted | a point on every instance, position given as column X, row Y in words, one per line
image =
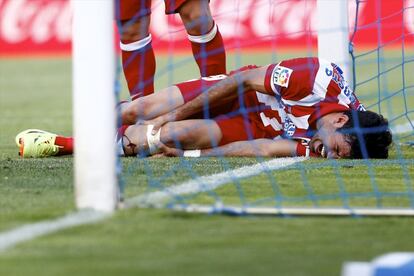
column 43, row 27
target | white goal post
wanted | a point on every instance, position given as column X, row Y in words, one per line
column 333, row 33
column 93, row 84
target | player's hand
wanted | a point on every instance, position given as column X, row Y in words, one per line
column 159, row 122
column 166, row 151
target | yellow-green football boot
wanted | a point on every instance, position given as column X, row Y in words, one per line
column 36, row 143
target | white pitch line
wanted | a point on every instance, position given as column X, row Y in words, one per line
column 210, row 182
column 28, row 232
column 10, row 238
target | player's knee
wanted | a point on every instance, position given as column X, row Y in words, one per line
column 135, row 31
column 189, row 136
column 140, row 109
column 205, row 134
column 196, row 17
column 129, row 115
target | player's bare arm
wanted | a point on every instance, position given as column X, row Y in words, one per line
column 254, row 148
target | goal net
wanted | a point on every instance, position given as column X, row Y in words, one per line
column 371, row 40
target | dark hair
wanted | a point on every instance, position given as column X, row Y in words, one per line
column 369, row 134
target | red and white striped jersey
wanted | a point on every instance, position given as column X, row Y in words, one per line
column 305, row 89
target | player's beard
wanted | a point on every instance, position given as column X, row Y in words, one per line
column 316, row 146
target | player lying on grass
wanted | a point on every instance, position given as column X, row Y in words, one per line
column 297, row 107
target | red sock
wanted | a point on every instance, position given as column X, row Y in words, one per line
column 121, row 131
column 125, row 146
column 65, row 144
column 138, row 62
column 210, row 55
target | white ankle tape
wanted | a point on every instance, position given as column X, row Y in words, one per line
column 204, row 38
column 192, row 153
column 153, row 140
column 129, row 47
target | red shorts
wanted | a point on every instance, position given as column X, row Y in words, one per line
column 246, row 122
column 235, row 123
column 193, row 88
column 128, row 9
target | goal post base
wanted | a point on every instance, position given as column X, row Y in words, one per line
column 291, row 211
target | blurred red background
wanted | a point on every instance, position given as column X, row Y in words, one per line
column 43, row 27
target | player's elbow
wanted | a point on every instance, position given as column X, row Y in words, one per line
column 271, row 152
column 245, row 78
column 129, row 116
column 267, row 153
column 252, row 79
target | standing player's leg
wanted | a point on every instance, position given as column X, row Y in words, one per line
column 138, row 59
column 203, row 33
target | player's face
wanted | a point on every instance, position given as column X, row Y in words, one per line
column 330, row 144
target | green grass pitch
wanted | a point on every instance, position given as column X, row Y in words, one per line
column 36, row 93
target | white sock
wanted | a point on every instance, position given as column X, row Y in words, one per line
column 137, row 45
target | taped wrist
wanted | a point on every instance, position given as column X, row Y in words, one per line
column 153, row 140
column 192, row 153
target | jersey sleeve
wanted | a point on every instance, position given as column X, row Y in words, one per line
column 292, row 79
column 270, row 88
column 339, row 90
column 308, row 82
